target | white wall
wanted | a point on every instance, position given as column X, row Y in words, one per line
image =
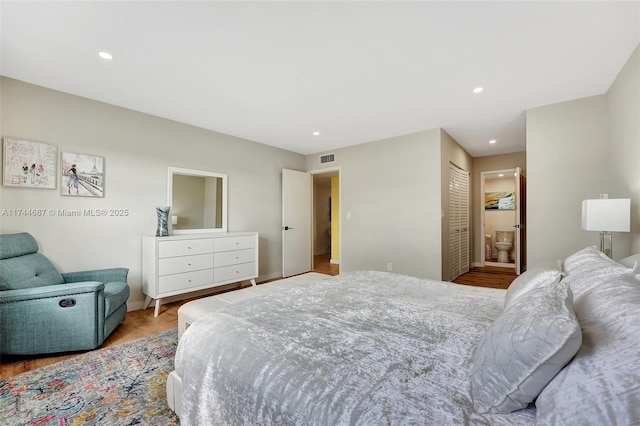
column 138, row 149
column 623, row 102
column 390, row 211
column 578, row 150
column 567, row 162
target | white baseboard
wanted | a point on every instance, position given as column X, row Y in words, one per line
column 334, row 261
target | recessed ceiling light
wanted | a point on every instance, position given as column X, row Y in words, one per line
column 478, row 90
column 105, row 55
column 316, row 133
column 492, row 141
column 501, row 175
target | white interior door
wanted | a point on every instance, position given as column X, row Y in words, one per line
column 296, row 222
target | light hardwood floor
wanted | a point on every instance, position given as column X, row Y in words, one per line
column 142, row 323
column 323, row 265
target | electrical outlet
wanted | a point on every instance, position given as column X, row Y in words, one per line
column 389, row 266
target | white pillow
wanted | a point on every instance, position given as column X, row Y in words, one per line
column 632, row 262
column 542, row 274
column 531, row 340
column 587, row 268
column 601, row 386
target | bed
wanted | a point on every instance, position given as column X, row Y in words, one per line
column 561, row 346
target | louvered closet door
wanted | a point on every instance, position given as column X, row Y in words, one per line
column 458, row 222
column 454, row 226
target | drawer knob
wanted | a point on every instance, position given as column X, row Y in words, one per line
column 237, row 272
column 237, row 243
column 188, row 263
column 189, row 280
column 188, row 247
column 237, row 257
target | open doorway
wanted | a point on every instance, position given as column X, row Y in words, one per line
column 326, row 221
column 503, row 218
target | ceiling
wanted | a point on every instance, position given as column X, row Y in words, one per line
column 275, row 72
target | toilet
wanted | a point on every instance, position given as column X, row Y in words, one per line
column 504, row 244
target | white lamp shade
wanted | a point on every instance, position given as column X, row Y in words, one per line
column 611, row 215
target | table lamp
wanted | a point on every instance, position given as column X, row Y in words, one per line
column 606, row 215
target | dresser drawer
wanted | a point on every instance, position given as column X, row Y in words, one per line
column 184, row 247
column 180, row 282
column 176, row 265
column 233, row 243
column 233, row 273
column 234, row 257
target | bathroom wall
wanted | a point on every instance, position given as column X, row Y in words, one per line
column 499, row 220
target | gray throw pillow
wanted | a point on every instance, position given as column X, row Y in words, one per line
column 532, row 339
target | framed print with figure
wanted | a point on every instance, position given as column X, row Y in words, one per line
column 81, row 175
column 28, row 164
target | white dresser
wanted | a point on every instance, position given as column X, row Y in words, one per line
column 183, row 263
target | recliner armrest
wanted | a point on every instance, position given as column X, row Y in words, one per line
column 70, row 289
column 101, row 275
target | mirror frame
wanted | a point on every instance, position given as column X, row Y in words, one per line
column 191, row 172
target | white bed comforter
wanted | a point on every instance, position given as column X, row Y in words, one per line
column 363, row 348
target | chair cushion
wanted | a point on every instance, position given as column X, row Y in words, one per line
column 28, row 271
column 14, row 245
column 115, row 295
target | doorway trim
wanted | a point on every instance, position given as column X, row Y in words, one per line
column 328, row 170
column 482, row 230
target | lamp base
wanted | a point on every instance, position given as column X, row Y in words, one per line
column 606, row 243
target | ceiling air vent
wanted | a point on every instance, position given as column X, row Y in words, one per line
column 327, row 158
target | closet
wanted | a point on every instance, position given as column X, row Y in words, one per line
column 459, row 219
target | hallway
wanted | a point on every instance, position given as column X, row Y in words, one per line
column 322, row 264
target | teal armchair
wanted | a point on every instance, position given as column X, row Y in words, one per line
column 43, row 311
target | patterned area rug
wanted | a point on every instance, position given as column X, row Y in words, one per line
column 119, row 385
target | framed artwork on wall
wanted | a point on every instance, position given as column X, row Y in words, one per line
column 81, row 175
column 499, row 201
column 28, row 164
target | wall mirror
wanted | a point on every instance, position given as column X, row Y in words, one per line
column 198, row 201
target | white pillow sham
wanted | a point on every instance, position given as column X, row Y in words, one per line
column 531, row 340
column 587, row 268
column 632, row 262
column 601, row 386
column 542, row 274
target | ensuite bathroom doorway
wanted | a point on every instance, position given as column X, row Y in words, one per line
column 503, row 218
